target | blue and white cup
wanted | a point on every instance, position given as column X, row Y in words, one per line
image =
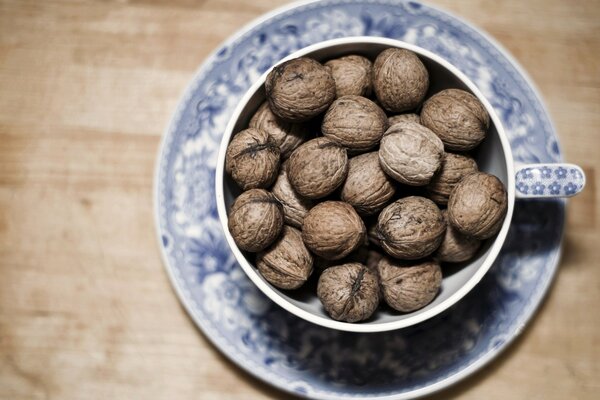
column 493, row 156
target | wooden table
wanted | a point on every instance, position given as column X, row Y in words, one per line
column 86, row 310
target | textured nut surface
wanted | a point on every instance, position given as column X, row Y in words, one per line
column 317, row 168
column 478, row 205
column 255, row 220
column 295, row 207
column 410, row 153
column 332, row 229
column 404, row 117
column 286, row 135
column 299, row 89
column 408, row 287
column 454, row 168
column 457, row 117
column 410, row 228
column 352, row 75
column 349, row 292
column 400, row 80
column 367, row 188
column 287, row 263
column 455, row 246
column 355, row 123
column 252, row 159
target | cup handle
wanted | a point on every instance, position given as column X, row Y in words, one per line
column 548, row 180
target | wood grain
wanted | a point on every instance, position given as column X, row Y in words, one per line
column 86, row 310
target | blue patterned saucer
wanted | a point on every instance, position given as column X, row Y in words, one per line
column 291, row 353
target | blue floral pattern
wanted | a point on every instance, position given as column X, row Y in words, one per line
column 291, row 353
column 543, row 180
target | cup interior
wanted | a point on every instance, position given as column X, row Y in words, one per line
column 493, row 156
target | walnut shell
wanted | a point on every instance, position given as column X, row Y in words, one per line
column 287, row 263
column 455, row 246
column 400, row 80
column 457, row 117
column 352, row 75
column 410, row 228
column 332, row 230
column 408, row 287
column 454, row 168
column 317, row 168
column 255, row 220
column 295, row 207
column 252, row 159
column 299, row 89
column 410, row 153
column 286, row 135
column 404, row 117
column 367, row 188
column 355, row 123
column 478, row 205
column 349, row 292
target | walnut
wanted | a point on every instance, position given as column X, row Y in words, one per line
column 349, row 292
column 400, row 80
column 410, row 228
column 299, row 89
column 255, row 220
column 317, row 168
column 332, row 229
column 457, row 117
column 355, row 123
column 455, row 246
column 404, row 117
column 295, row 207
column 454, row 168
column 478, row 205
column 408, row 287
column 352, row 75
column 367, row 188
column 287, row 263
column 286, row 135
column 252, row 159
column 410, row 153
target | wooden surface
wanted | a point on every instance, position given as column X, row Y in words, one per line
column 86, row 310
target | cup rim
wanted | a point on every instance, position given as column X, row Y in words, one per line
column 273, row 293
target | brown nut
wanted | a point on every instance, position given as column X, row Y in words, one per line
column 299, row 89
column 410, row 153
column 410, row 228
column 400, row 80
column 455, row 246
column 286, row 135
column 367, row 188
column 255, row 220
column 252, row 159
column 457, row 117
column 454, row 168
column 349, row 292
column 295, row 207
column 352, row 75
column 332, row 230
column 478, row 205
column 355, row 123
column 287, row 263
column 404, row 117
column 317, row 168
column 408, row 287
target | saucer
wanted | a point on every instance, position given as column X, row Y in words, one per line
column 293, row 354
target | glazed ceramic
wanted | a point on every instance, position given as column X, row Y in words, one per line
column 286, row 351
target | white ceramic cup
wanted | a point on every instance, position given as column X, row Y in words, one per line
column 493, row 156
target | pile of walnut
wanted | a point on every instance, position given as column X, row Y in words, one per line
column 342, row 201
